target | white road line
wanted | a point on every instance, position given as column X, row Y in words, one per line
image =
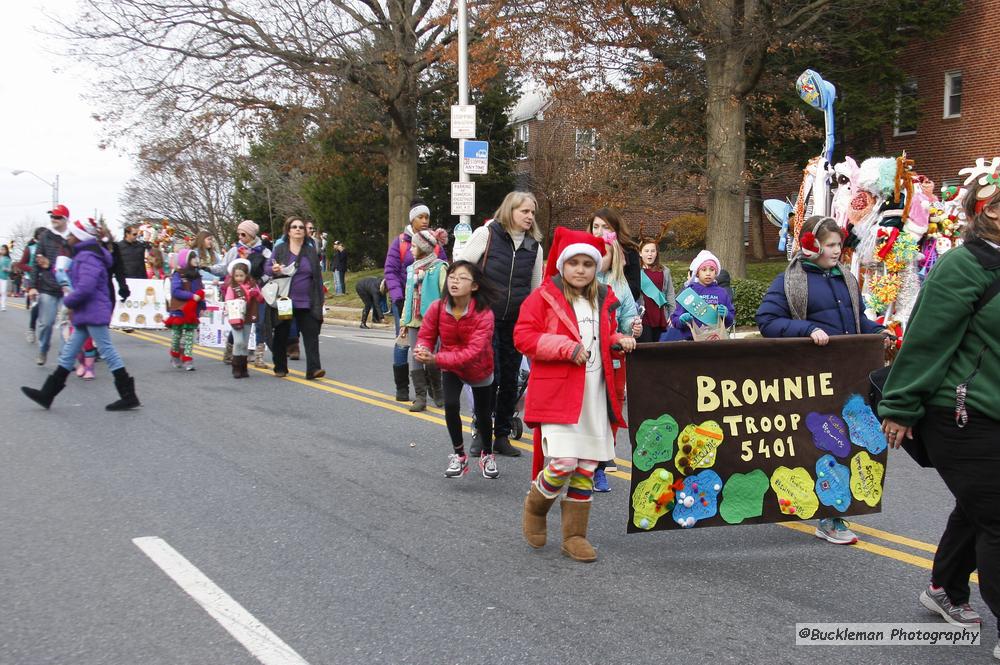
column 258, row 639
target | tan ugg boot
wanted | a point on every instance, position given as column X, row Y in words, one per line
column 536, row 507
column 575, row 517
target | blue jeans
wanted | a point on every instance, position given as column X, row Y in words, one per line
column 102, row 340
column 48, row 308
column 398, row 355
column 338, row 289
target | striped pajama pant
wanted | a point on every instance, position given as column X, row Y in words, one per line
column 577, row 475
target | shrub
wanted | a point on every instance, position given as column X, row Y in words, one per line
column 747, row 296
column 687, row 231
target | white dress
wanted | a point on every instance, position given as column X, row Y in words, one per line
column 590, row 437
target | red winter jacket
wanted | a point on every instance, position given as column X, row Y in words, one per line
column 466, row 343
column 547, row 332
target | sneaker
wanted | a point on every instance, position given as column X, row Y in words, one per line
column 611, row 466
column 40, row 360
column 601, row 481
column 189, row 366
column 488, row 465
column 458, row 465
column 29, row 335
column 936, row 600
column 175, row 363
column 834, row 530
column 996, row 651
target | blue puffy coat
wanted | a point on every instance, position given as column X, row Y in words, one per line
column 90, row 299
column 829, row 308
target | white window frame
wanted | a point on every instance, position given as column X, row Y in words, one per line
column 899, row 97
column 949, row 80
column 522, row 136
column 585, row 144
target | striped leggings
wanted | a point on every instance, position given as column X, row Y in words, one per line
column 578, row 474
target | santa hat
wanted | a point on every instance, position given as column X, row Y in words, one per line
column 184, row 258
column 238, row 262
column 567, row 243
column 704, row 256
column 87, row 229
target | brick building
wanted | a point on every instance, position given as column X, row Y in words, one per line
column 956, row 80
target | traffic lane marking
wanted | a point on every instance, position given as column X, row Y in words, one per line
column 257, row 638
column 361, row 394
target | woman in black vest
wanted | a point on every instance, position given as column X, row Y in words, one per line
column 508, row 251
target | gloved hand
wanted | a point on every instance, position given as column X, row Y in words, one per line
column 686, row 319
column 723, row 311
column 124, row 292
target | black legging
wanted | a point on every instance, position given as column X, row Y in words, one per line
column 452, row 386
column 309, row 329
column 968, row 461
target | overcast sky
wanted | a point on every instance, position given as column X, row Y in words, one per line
column 47, row 127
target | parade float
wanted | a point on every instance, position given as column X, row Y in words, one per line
column 894, row 225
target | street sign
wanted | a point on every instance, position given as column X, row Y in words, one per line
column 463, row 121
column 475, row 156
column 462, row 233
column 463, row 198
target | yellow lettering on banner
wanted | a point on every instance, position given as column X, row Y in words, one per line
column 769, row 391
column 749, row 392
column 733, row 421
column 824, row 383
column 707, row 399
column 810, row 386
column 729, row 393
column 795, row 418
column 751, row 425
column 793, row 387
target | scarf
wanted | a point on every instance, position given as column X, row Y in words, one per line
column 419, row 266
column 797, row 289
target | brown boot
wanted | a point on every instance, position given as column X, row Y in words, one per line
column 575, row 516
column 293, row 350
column 536, row 507
column 234, row 361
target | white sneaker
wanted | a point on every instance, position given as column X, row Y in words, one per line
column 996, row 651
column 29, row 335
column 458, row 465
column 488, row 465
column 834, row 530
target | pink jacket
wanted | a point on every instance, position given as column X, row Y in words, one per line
column 251, row 295
column 466, row 343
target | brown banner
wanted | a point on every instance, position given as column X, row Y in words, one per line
column 752, row 431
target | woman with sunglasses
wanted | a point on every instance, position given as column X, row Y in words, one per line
column 250, row 247
column 306, row 293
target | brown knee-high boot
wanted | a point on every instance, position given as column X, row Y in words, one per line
column 575, row 517
column 536, row 507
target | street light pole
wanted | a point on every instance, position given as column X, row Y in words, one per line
column 463, row 84
column 53, row 185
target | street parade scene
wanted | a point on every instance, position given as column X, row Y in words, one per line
column 617, row 345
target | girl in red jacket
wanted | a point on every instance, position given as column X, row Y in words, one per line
column 463, row 320
column 567, row 327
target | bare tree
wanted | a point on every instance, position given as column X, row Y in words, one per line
column 20, row 234
column 193, row 189
column 212, row 61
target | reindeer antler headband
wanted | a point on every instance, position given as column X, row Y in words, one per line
column 986, row 180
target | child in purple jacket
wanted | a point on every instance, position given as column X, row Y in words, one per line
column 702, row 276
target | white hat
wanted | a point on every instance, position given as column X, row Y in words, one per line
column 575, row 249
column 238, row 262
column 87, row 229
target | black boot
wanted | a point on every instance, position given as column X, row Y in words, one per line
column 53, row 385
column 401, row 374
column 244, row 373
column 434, row 386
column 419, row 377
column 235, row 362
column 502, row 446
column 125, row 385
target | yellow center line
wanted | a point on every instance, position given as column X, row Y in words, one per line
column 385, row 401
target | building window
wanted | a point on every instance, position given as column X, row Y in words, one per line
column 952, row 94
column 522, row 134
column 586, row 143
column 905, row 120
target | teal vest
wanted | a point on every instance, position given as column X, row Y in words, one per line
column 430, row 290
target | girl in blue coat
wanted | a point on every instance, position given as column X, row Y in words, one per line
column 90, row 303
column 817, row 297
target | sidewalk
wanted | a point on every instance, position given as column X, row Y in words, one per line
column 351, row 316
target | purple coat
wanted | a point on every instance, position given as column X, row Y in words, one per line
column 396, row 265
column 90, row 299
column 713, row 295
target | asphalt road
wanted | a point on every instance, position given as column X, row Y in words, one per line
column 306, row 503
